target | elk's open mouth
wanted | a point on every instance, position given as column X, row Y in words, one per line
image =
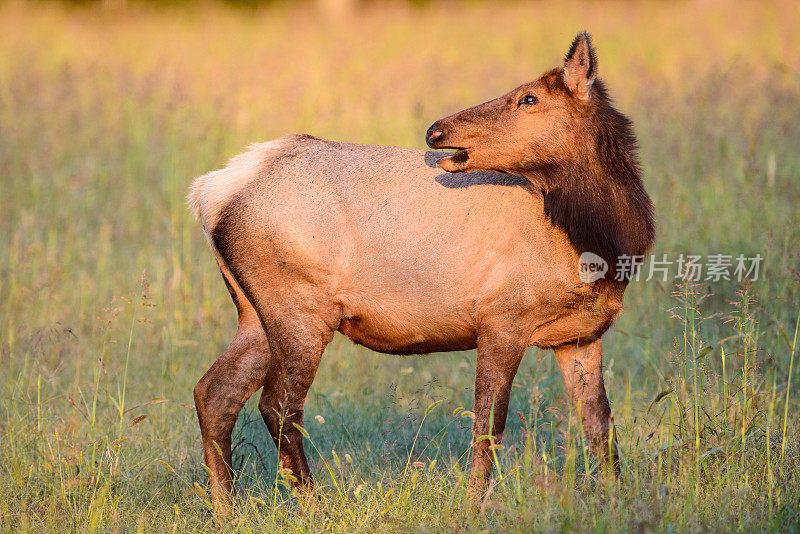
column 455, row 149
column 437, row 139
column 455, row 161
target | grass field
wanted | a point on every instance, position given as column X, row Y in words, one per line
column 111, row 305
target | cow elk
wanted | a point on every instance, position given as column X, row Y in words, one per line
column 315, row 236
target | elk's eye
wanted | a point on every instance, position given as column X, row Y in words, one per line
column 528, row 100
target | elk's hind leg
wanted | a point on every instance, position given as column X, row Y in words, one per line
column 223, row 390
column 299, row 348
column 298, row 331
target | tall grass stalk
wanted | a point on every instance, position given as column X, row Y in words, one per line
column 793, row 349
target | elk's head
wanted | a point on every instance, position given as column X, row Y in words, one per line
column 540, row 123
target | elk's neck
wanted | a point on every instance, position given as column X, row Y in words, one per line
column 597, row 196
column 603, row 208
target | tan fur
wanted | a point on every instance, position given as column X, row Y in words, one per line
column 210, row 193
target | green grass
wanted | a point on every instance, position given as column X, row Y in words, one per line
column 111, row 306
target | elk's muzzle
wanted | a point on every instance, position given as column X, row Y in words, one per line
column 438, row 138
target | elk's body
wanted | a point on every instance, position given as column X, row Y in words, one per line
column 315, row 236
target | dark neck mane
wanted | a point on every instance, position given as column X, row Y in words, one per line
column 598, row 197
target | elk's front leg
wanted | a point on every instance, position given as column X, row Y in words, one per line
column 582, row 368
column 499, row 356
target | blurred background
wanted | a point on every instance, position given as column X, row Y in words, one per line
column 111, row 305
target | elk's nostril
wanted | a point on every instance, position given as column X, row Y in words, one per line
column 433, row 134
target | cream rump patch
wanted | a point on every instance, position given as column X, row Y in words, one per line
column 211, row 192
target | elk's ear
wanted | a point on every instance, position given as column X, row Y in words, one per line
column 580, row 67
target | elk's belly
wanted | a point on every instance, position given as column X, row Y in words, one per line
column 395, row 328
column 390, row 333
